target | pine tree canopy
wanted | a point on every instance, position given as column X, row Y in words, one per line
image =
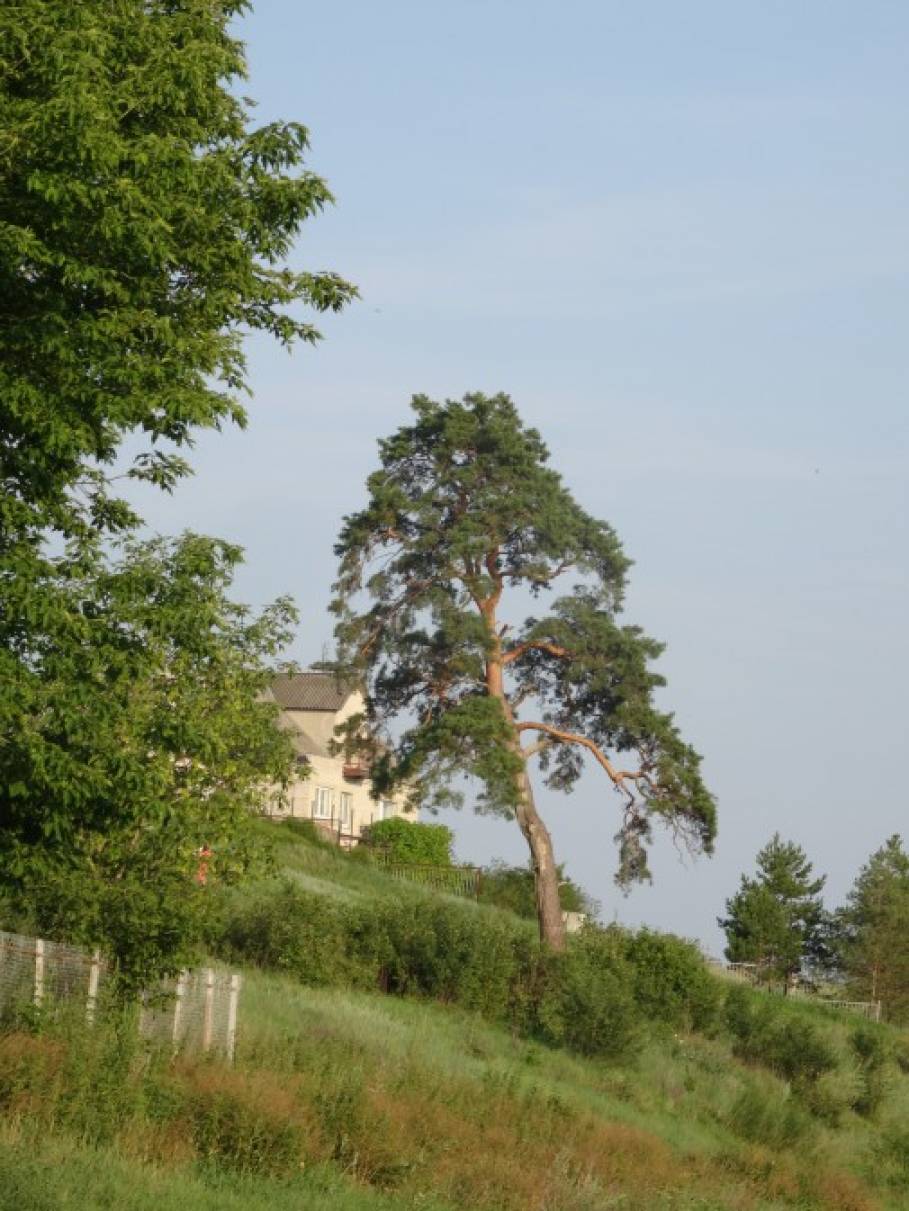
column 873, row 930
column 465, row 526
column 777, row 919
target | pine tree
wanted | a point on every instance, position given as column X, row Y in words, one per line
column 464, row 521
column 873, row 931
column 777, row 920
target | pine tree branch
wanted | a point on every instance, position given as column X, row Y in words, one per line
column 618, row 777
column 535, row 645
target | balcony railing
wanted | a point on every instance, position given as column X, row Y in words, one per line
column 355, row 771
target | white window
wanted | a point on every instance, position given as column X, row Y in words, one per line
column 321, row 804
column 346, row 812
column 386, row 809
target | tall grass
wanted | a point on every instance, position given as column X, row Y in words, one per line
column 620, row 1075
column 423, row 1104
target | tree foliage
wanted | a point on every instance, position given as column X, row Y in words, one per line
column 410, row 842
column 144, row 225
column 464, row 519
column 873, row 927
column 134, row 737
column 777, row 919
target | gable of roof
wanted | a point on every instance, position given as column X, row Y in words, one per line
column 311, row 690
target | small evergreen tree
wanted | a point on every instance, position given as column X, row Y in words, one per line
column 463, row 516
column 777, row 919
column 872, row 930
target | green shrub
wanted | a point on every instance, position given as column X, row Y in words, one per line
column 587, row 1003
column 410, row 843
column 765, row 1032
column 870, row 1047
column 292, row 930
column 671, row 981
column 759, row 1116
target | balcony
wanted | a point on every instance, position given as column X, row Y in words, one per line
column 355, row 771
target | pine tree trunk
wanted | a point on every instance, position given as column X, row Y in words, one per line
column 545, row 874
column 536, row 834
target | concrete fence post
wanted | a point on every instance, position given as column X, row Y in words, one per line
column 94, row 975
column 39, row 972
column 208, row 1011
column 178, row 1006
column 232, row 1005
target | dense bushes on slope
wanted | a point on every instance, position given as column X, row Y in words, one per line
column 593, row 998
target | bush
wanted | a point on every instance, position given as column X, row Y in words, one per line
column 671, row 981
column 294, row 931
column 768, row 1034
column 758, row 1115
column 410, row 843
column 448, row 952
column 869, row 1044
column 587, row 1002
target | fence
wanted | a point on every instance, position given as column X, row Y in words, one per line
column 197, row 1011
column 456, row 880
column 751, row 973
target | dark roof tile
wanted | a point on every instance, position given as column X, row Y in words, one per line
column 310, row 690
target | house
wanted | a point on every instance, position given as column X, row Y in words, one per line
column 335, row 790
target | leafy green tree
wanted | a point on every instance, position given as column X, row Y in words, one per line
column 464, row 520
column 777, row 919
column 410, row 842
column 135, row 746
column 144, row 224
column 872, row 930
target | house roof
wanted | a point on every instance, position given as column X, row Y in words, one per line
column 311, row 690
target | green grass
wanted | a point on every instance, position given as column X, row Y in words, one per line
column 60, row 1174
column 355, row 1101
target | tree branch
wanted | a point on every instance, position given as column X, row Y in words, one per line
column 537, row 747
column 618, row 776
column 535, row 645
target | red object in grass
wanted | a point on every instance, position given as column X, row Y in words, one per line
column 202, row 870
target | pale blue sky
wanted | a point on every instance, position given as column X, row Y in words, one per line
column 678, row 235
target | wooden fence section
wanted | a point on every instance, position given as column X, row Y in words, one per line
column 197, row 1011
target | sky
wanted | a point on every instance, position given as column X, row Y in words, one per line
column 678, row 236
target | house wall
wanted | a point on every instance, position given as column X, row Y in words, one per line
column 327, row 773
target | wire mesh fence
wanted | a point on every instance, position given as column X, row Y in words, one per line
column 196, row 1011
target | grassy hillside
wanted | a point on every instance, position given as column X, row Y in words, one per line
column 349, row 1100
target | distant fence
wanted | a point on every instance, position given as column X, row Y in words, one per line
column 196, row 1011
column 456, row 880
column 751, row 973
